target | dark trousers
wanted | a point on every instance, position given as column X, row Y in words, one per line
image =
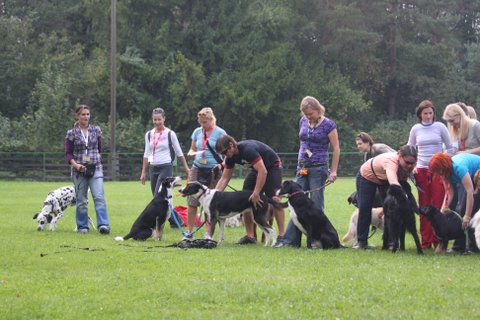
column 365, row 196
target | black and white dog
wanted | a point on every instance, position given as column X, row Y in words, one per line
column 399, row 208
column 54, row 206
column 219, row 206
column 308, row 218
column 151, row 221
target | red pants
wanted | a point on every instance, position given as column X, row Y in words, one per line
column 433, row 193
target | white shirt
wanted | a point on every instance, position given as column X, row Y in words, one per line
column 157, row 150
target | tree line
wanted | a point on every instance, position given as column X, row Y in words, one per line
column 369, row 62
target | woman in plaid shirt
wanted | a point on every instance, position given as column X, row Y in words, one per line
column 83, row 146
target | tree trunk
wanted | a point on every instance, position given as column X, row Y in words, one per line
column 392, row 64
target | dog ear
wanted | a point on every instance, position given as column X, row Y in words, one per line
column 49, row 218
column 36, row 215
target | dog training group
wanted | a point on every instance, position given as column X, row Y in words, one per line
column 394, row 215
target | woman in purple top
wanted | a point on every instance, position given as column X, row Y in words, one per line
column 83, row 147
column 316, row 134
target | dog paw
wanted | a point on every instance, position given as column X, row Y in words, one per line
column 118, row 238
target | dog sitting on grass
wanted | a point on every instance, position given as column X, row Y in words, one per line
column 151, row 221
column 308, row 218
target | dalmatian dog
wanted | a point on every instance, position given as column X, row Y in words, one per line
column 54, row 205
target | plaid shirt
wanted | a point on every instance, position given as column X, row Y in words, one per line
column 75, row 146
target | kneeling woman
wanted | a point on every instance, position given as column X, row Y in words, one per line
column 380, row 172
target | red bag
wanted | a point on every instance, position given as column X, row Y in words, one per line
column 182, row 213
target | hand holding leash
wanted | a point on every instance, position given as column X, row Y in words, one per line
column 465, row 222
column 332, row 176
column 446, row 210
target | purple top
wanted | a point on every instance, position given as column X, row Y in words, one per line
column 315, row 139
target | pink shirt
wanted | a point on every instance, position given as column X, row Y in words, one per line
column 382, row 163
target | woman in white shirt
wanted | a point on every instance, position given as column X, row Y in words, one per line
column 429, row 137
column 161, row 146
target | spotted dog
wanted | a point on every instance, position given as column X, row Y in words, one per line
column 151, row 221
column 219, row 206
column 54, row 206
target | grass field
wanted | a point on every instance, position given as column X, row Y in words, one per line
column 48, row 275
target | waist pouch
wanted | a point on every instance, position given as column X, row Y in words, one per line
column 89, row 170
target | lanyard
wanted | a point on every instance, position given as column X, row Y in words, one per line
column 85, row 139
column 155, row 141
column 205, row 138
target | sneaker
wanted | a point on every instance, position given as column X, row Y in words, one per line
column 455, row 251
column 207, row 236
column 104, row 230
column 187, row 236
column 280, row 244
column 247, row 240
column 362, row 246
column 82, row 231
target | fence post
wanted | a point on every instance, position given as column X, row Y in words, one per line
column 44, row 167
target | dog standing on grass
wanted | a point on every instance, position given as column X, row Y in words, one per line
column 377, row 218
column 151, row 221
column 53, row 207
column 399, row 210
column 220, row 205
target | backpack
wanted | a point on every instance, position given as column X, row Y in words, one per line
column 173, row 155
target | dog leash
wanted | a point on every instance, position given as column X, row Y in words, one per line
column 179, row 225
column 317, row 189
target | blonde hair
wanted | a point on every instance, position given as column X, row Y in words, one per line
column 451, row 111
column 207, row 113
column 311, row 103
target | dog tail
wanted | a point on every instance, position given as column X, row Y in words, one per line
column 128, row 236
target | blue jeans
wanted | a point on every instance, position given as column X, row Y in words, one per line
column 315, row 179
column 96, row 188
column 365, row 196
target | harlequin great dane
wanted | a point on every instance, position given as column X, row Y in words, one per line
column 151, row 221
column 55, row 204
column 220, row 205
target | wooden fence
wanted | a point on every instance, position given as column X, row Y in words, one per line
column 49, row 166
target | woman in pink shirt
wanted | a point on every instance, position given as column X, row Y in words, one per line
column 380, row 172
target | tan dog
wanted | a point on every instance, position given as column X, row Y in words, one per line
column 377, row 221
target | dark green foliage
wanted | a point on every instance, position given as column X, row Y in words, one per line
column 252, row 61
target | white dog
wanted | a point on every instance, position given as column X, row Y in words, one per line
column 377, row 221
column 55, row 203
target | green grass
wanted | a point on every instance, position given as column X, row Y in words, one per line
column 136, row 280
